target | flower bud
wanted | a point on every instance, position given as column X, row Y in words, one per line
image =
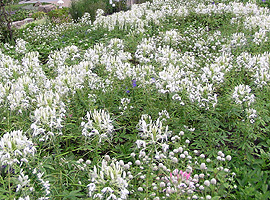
column 137, row 162
column 213, row 181
column 228, row 157
column 203, row 166
column 207, row 183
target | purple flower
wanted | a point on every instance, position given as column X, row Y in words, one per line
column 127, row 91
column 134, row 83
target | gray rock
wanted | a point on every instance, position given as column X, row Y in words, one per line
column 37, row 4
column 18, row 24
column 28, row 20
column 46, row 8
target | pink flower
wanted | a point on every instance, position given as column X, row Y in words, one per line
column 188, row 175
column 181, row 174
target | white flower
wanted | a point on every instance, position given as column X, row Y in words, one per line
column 98, row 124
column 20, row 45
column 107, row 189
column 165, row 147
column 107, row 157
column 174, row 160
column 208, row 197
column 15, row 146
column 242, row 93
column 162, row 184
column 207, row 183
column 213, row 181
column 203, row 166
column 137, row 162
column 140, row 143
column 154, row 131
column 228, row 157
column 24, row 198
column 112, row 175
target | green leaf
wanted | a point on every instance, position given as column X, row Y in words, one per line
column 72, row 195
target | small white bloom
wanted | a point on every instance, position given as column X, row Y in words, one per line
column 175, row 160
column 203, row 166
column 107, row 157
column 162, row 184
column 213, row 181
column 201, row 176
column 137, row 162
column 207, row 183
column 182, row 156
column 228, row 157
column 202, row 156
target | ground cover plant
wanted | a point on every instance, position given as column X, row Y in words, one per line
column 168, row 100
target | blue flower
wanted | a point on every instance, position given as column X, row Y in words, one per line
column 127, row 91
column 134, row 83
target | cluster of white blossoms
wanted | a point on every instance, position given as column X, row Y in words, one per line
column 176, row 172
column 251, row 115
column 19, row 82
column 125, row 104
column 260, row 37
column 58, row 58
column 20, row 45
column 242, row 95
column 26, row 186
column 140, row 16
column 48, row 116
column 98, row 123
column 45, row 33
column 15, row 148
column 110, row 180
column 238, row 8
column 152, row 131
column 145, row 50
column 238, row 40
column 256, row 65
column 150, row 51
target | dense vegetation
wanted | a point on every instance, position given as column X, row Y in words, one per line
column 167, row 100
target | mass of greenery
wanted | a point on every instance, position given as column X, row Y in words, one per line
column 166, row 100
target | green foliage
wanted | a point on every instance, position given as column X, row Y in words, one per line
column 264, row 3
column 39, row 15
column 78, row 8
column 59, row 15
column 19, row 15
column 6, row 32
